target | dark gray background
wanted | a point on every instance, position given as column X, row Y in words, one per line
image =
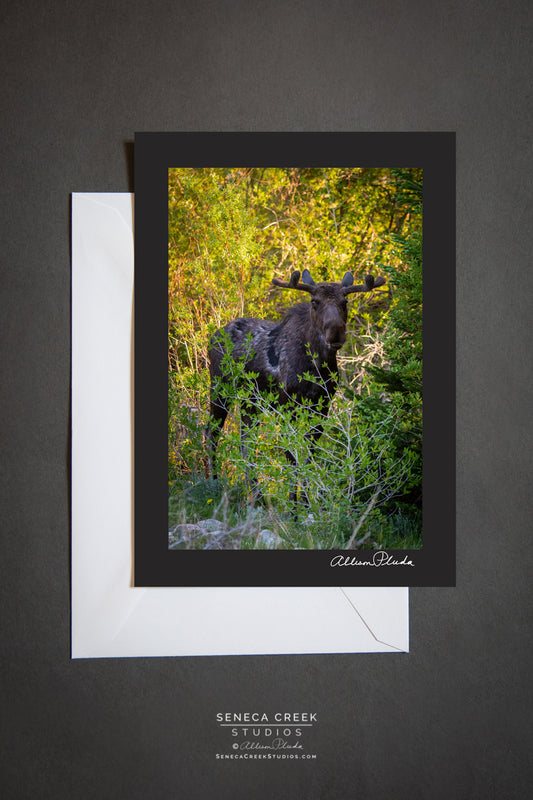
column 449, row 720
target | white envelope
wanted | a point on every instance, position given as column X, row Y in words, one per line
column 109, row 616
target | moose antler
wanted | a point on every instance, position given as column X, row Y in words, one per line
column 307, row 286
column 369, row 284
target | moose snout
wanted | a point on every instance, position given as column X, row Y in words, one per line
column 335, row 335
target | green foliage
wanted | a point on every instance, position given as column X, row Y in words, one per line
column 398, row 385
column 230, row 232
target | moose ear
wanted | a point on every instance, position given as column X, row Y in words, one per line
column 347, row 280
column 306, row 277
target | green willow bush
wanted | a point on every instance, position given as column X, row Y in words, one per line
column 346, row 469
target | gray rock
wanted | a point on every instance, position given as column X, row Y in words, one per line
column 190, row 528
column 268, row 539
column 185, row 531
column 210, row 525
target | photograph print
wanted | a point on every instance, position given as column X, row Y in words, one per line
column 295, row 331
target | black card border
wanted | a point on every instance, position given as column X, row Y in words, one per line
column 154, row 564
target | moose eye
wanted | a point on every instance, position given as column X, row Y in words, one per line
column 315, row 303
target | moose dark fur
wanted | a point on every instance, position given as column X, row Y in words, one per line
column 281, row 353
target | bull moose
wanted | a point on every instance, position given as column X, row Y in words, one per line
column 284, row 355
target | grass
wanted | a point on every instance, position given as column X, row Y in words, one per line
column 205, row 513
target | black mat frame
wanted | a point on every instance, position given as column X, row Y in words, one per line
column 155, row 565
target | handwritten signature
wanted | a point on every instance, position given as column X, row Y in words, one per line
column 378, row 559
